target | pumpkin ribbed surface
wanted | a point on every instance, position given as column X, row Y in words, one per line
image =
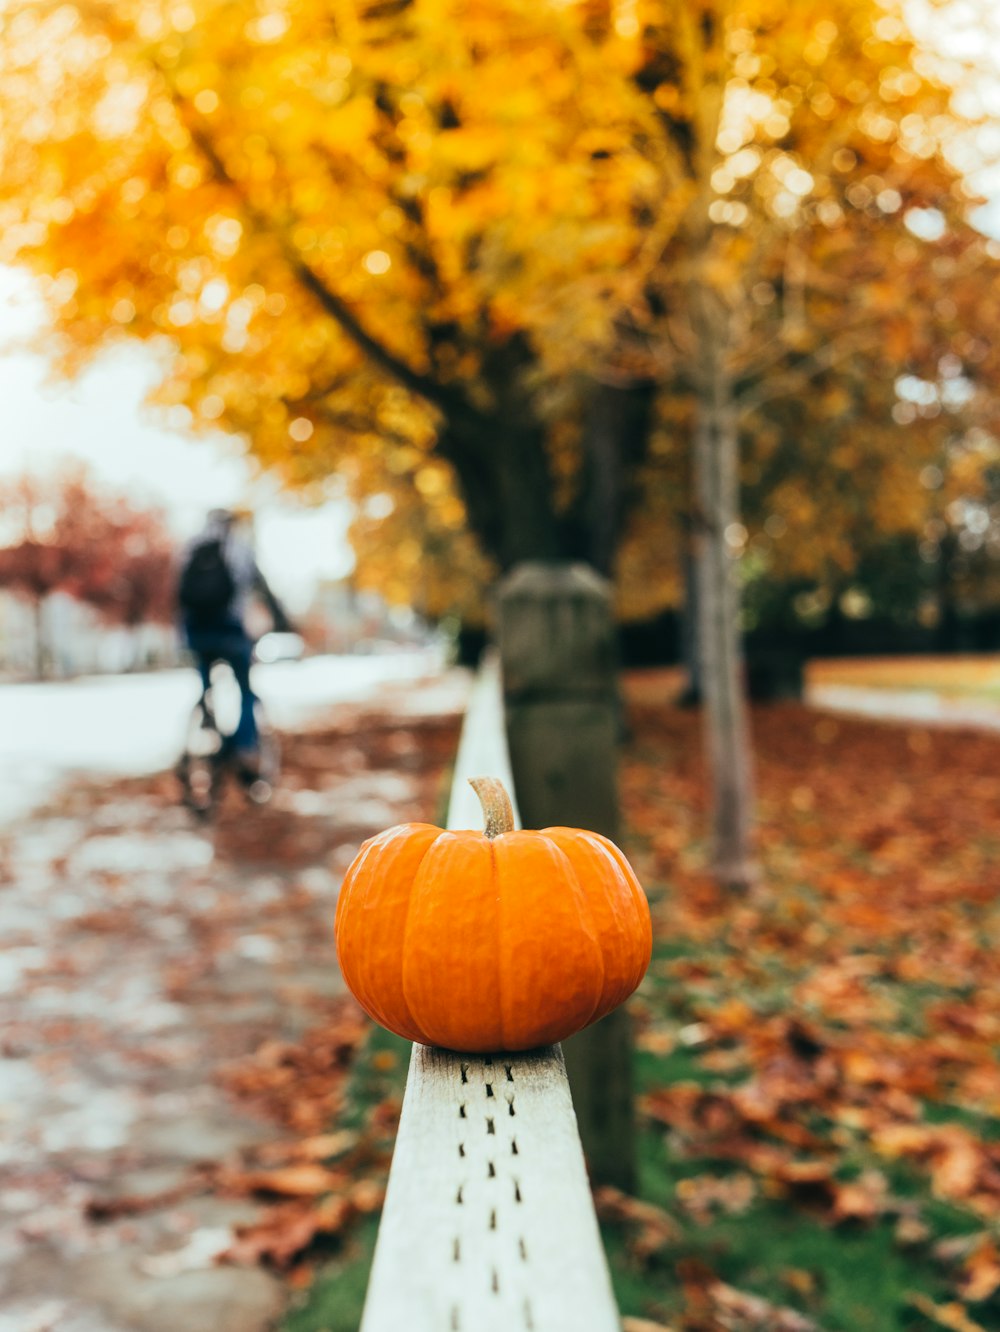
column 480, row 943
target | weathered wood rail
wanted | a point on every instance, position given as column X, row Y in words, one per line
column 488, row 1223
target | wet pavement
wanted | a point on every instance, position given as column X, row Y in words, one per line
column 125, row 725
column 148, row 962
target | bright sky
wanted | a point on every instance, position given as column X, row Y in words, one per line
column 100, row 420
column 963, row 39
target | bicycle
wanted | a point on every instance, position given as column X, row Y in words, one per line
column 209, row 762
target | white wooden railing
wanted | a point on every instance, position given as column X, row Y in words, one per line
column 488, row 1223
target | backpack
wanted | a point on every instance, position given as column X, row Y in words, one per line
column 206, row 585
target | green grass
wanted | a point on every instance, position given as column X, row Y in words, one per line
column 336, row 1298
column 849, row 1278
column 985, row 1127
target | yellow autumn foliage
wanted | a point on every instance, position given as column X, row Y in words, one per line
column 396, row 242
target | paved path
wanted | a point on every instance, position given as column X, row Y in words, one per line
column 895, row 703
column 145, row 956
column 131, row 724
column 917, row 705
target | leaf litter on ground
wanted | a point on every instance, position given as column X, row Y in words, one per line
column 176, row 1039
column 827, row 1045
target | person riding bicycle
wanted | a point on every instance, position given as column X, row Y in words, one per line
column 218, row 574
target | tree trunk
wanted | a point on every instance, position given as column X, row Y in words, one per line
column 524, row 495
column 615, row 434
column 725, row 718
column 41, row 647
column 503, row 474
column 691, row 696
column 502, row 466
column 948, row 633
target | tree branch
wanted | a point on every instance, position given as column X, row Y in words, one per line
column 358, row 424
column 825, row 358
column 389, row 362
column 776, row 348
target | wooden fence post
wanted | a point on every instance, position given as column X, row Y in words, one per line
column 558, row 653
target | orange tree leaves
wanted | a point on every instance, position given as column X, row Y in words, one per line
column 347, row 223
column 826, row 216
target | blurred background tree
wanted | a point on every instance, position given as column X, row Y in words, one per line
column 348, row 226
column 812, row 145
column 61, row 534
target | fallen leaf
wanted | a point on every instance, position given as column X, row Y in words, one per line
column 742, row 1312
column 861, row 1199
column 801, row 1281
column 655, row 1229
column 134, row 1204
column 702, row 1195
column 287, row 1230
column 294, row 1181
column 980, row 1276
column 278, row 1237
column 911, row 1229
column 319, row 1147
column 952, row 1315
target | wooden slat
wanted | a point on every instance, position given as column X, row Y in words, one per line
column 488, row 1223
column 482, row 748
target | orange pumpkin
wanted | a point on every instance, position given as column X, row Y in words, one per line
column 491, row 941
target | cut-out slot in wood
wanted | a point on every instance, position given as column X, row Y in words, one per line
column 510, row 1106
column 490, row 1126
column 517, row 1191
column 491, row 1170
column 509, row 1070
column 522, row 1248
column 461, row 1149
column 495, row 1282
column 461, row 1112
column 513, row 1146
column 456, row 1250
column 489, row 1089
column 458, row 1195
column 465, row 1072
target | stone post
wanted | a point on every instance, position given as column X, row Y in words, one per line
column 558, row 651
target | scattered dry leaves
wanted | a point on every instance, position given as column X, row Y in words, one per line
column 847, row 1012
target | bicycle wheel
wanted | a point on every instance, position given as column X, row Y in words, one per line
column 261, row 788
column 199, row 769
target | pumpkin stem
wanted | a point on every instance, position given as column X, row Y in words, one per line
column 497, row 809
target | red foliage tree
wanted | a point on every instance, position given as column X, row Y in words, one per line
column 127, row 572
column 61, row 534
